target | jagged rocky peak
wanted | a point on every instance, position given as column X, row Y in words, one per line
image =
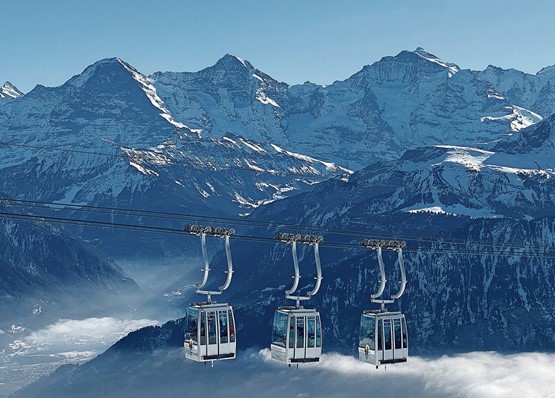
column 548, row 72
column 8, row 90
column 407, row 67
column 499, row 70
column 107, row 70
column 453, row 68
column 233, row 62
column 233, row 70
column 227, row 68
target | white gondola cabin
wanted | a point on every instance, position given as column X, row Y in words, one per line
column 210, row 332
column 383, row 338
column 296, row 335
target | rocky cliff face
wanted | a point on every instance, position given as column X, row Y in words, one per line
column 45, row 274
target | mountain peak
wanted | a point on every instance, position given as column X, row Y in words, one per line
column 8, row 90
column 105, row 68
column 407, row 67
column 423, row 52
column 229, row 61
column 546, row 70
column 433, row 58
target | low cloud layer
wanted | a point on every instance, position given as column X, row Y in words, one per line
column 91, row 334
column 255, row 374
column 476, row 375
column 472, row 375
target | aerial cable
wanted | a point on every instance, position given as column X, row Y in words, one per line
column 258, row 239
column 242, row 222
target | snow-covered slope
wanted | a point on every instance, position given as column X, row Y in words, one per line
column 460, row 181
column 444, row 179
column 532, row 148
column 534, row 92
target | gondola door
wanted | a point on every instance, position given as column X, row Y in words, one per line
column 226, row 333
column 300, row 337
column 311, row 344
column 388, row 354
column 202, row 334
column 223, row 333
column 212, row 334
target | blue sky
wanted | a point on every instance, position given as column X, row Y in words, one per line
column 294, row 41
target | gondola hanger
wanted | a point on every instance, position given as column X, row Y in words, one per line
column 297, row 331
column 378, row 245
column 311, row 240
column 220, row 232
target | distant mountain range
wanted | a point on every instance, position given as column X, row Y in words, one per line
column 411, row 99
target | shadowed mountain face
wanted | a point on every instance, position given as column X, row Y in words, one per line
column 46, row 274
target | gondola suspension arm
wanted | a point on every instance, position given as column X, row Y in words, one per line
column 217, row 232
column 297, row 275
column 318, row 271
column 229, row 271
column 393, row 245
column 383, row 279
column 312, row 240
column 206, row 268
column 403, row 281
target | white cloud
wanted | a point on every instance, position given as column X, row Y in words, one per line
column 91, row 334
column 476, row 375
column 254, row 374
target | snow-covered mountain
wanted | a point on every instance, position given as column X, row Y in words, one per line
column 230, row 97
column 535, row 92
column 457, row 163
column 397, row 103
column 9, row 91
column 106, row 138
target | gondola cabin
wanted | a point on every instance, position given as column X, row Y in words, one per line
column 296, row 335
column 383, row 338
column 209, row 332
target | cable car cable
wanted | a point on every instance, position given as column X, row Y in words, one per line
column 258, row 239
column 235, row 221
